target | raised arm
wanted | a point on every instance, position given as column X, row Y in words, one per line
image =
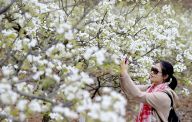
column 127, row 84
column 129, row 87
column 143, row 87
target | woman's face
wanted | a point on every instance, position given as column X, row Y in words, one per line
column 156, row 75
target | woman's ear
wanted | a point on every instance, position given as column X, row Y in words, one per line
column 165, row 77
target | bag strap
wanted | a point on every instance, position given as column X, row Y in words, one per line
column 170, row 98
column 157, row 114
column 171, row 105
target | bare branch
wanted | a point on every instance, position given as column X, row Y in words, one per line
column 100, row 31
column 33, row 96
column 20, row 63
column 81, row 19
column 134, row 61
column 64, row 7
column 97, row 88
column 139, row 19
column 8, row 55
column 139, row 31
column 43, row 98
column 111, row 86
column 5, row 9
column 128, row 12
column 23, row 80
column 150, row 50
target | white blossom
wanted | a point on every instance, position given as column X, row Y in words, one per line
column 32, row 43
column 8, row 97
column 94, row 113
column 179, row 58
column 8, row 32
column 15, row 79
column 20, row 86
column 56, row 77
column 21, row 105
column 167, row 9
column 89, row 52
column 56, row 116
column 86, row 79
column 7, row 70
column 179, row 67
column 106, row 102
column 186, row 91
column 100, row 56
column 22, row 116
column 4, row 87
column 61, row 27
column 48, row 71
column 65, row 111
column 37, row 75
column 18, row 45
column 69, row 35
column 35, row 106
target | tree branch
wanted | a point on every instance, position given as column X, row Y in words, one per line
column 139, row 31
column 134, row 61
column 97, row 88
column 33, row 96
column 138, row 19
column 67, row 104
column 3, row 10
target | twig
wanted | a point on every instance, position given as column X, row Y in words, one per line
column 23, row 80
column 34, row 97
column 146, row 53
column 139, row 31
column 3, row 10
column 138, row 19
column 97, row 88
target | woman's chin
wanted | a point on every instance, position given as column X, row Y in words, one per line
column 152, row 81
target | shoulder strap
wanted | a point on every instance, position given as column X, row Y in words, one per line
column 157, row 114
column 171, row 105
column 170, row 98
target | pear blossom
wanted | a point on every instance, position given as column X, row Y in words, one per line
column 21, row 105
column 186, row 91
column 7, row 70
column 8, row 97
column 33, row 43
column 35, row 106
column 56, row 116
column 65, row 111
column 37, row 75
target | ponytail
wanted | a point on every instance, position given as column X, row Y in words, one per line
column 173, row 83
column 167, row 69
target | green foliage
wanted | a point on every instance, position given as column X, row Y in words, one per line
column 47, row 83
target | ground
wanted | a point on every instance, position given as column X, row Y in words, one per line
column 185, row 107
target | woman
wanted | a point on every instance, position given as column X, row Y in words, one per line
column 155, row 103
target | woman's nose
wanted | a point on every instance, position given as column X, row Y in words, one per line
column 151, row 73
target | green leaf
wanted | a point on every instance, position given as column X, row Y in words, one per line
column 47, row 83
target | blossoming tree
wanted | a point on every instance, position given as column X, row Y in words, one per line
column 61, row 57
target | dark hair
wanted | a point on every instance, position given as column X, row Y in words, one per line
column 167, row 69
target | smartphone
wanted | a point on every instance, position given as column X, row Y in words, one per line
column 126, row 60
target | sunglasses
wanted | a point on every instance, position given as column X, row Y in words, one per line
column 155, row 70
